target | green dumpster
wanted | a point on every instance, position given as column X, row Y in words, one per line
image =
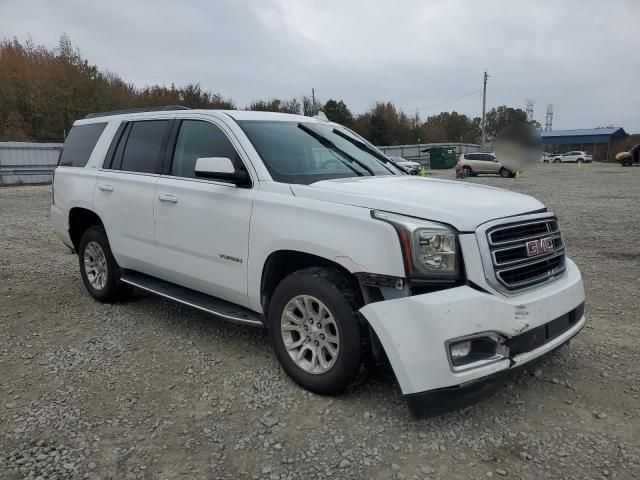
column 441, row 157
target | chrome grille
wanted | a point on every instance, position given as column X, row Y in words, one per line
column 526, row 253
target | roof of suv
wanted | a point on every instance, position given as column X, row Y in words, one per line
column 235, row 114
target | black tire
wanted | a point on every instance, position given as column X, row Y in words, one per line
column 113, row 289
column 546, row 161
column 557, row 160
column 468, row 171
column 580, row 160
column 335, row 290
column 504, row 173
column 626, row 162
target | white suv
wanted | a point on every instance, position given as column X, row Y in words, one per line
column 577, row 156
column 301, row 226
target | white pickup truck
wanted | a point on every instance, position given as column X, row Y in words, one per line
column 301, row 226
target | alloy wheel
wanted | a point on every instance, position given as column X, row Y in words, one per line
column 310, row 334
column 95, row 265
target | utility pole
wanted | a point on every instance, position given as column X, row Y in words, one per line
column 484, row 105
column 529, row 109
column 548, row 121
column 313, row 98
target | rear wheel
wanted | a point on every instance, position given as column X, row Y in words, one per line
column 314, row 330
column 467, row 171
column 504, row 173
column 99, row 270
column 626, row 162
column 556, row 160
column 580, row 160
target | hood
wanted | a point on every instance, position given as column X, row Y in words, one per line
column 460, row 204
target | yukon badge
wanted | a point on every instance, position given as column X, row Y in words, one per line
column 229, row 257
column 540, row 246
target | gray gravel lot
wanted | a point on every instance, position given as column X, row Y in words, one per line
column 150, row 389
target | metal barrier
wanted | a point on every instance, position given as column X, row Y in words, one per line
column 28, row 163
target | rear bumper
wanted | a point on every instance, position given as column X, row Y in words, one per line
column 415, row 331
column 60, row 225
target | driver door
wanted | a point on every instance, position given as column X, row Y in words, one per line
column 202, row 226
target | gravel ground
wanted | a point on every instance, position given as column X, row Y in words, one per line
column 150, row 389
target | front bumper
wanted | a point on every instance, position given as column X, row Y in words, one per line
column 414, row 330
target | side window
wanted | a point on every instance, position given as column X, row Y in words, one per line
column 199, row 139
column 143, row 148
column 80, row 143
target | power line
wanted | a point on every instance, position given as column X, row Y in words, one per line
column 448, row 101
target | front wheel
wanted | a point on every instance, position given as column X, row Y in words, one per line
column 314, row 330
column 557, row 160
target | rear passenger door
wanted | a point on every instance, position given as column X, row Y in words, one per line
column 202, row 226
column 125, row 190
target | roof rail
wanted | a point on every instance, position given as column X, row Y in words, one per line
column 137, row 110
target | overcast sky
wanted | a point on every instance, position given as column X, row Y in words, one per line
column 582, row 56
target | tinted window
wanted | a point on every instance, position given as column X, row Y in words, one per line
column 472, row 156
column 80, row 143
column 198, row 139
column 144, row 146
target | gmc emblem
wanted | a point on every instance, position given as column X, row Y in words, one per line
column 540, row 246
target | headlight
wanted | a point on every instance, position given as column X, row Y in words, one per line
column 430, row 249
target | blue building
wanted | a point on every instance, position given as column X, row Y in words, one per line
column 602, row 143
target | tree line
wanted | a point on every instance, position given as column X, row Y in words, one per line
column 44, row 90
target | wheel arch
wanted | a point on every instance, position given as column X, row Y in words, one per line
column 80, row 219
column 282, row 263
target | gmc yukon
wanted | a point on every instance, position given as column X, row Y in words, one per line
column 300, row 226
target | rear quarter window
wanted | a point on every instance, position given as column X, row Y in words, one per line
column 80, row 143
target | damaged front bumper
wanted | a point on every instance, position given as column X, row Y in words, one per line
column 416, row 332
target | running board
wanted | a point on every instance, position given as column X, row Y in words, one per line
column 201, row 301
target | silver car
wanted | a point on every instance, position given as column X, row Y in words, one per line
column 472, row 164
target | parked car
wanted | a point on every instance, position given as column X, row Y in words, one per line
column 302, row 227
column 547, row 157
column 632, row 157
column 574, row 156
column 414, row 168
column 472, row 164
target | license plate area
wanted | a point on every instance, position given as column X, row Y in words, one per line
column 537, row 337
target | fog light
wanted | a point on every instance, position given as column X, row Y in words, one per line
column 460, row 350
column 477, row 351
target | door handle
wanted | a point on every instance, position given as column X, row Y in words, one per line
column 168, row 198
column 105, row 188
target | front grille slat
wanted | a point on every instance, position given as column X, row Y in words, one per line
column 515, row 267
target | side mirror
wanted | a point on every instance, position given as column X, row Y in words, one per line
column 221, row 168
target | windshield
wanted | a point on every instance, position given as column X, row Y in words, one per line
column 305, row 153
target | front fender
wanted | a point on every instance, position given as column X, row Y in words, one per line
column 343, row 234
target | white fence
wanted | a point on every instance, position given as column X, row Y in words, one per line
column 25, row 162
column 416, row 153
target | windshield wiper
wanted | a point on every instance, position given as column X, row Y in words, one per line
column 332, row 146
column 363, row 146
